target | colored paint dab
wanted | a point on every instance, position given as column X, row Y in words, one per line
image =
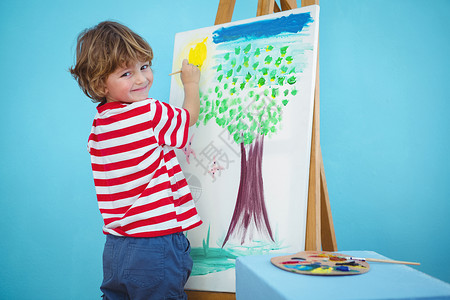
column 273, row 75
column 247, row 49
column 197, row 55
column 278, row 61
column 291, row 80
column 233, row 62
column 275, row 92
column 215, row 167
column 283, row 50
column 246, row 59
column 303, row 267
column 264, row 71
column 322, row 270
column 261, row 82
column 337, row 258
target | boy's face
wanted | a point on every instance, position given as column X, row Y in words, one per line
column 129, row 83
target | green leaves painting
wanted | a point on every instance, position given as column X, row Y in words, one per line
column 252, row 86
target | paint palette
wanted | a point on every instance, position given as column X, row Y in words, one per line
column 320, row 263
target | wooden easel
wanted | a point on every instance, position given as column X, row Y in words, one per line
column 319, row 222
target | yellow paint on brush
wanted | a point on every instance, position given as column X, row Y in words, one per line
column 197, row 54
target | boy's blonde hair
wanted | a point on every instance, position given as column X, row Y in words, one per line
column 101, row 50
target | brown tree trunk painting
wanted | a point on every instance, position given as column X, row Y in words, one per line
column 250, row 209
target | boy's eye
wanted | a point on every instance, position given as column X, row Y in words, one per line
column 125, row 74
column 146, row 66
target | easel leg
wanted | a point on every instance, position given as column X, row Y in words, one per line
column 288, row 4
column 320, row 233
column 313, row 222
column 225, row 11
column 265, row 7
column 327, row 235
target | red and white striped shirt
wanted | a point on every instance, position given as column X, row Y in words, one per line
column 141, row 190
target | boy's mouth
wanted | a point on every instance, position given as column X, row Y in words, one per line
column 140, row 89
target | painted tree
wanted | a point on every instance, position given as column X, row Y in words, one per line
column 252, row 86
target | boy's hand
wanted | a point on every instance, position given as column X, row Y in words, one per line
column 189, row 73
column 190, row 76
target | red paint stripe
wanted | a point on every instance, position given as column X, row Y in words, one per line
column 292, row 262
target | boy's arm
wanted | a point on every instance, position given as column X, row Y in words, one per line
column 190, row 76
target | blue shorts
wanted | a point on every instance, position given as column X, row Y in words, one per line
column 146, row 268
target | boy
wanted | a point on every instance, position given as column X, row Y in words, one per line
column 142, row 194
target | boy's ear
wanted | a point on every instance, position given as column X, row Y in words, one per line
column 103, row 90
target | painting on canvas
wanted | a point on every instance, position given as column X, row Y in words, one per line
column 247, row 160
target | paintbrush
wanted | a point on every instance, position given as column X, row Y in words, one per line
column 382, row 260
column 179, row 71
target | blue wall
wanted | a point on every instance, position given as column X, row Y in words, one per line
column 384, row 132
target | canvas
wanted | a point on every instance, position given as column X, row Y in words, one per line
column 247, row 160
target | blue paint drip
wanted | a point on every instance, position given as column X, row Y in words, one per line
column 262, row 29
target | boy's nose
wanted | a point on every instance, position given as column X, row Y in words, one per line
column 140, row 78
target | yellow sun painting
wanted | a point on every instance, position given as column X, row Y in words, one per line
column 197, row 54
